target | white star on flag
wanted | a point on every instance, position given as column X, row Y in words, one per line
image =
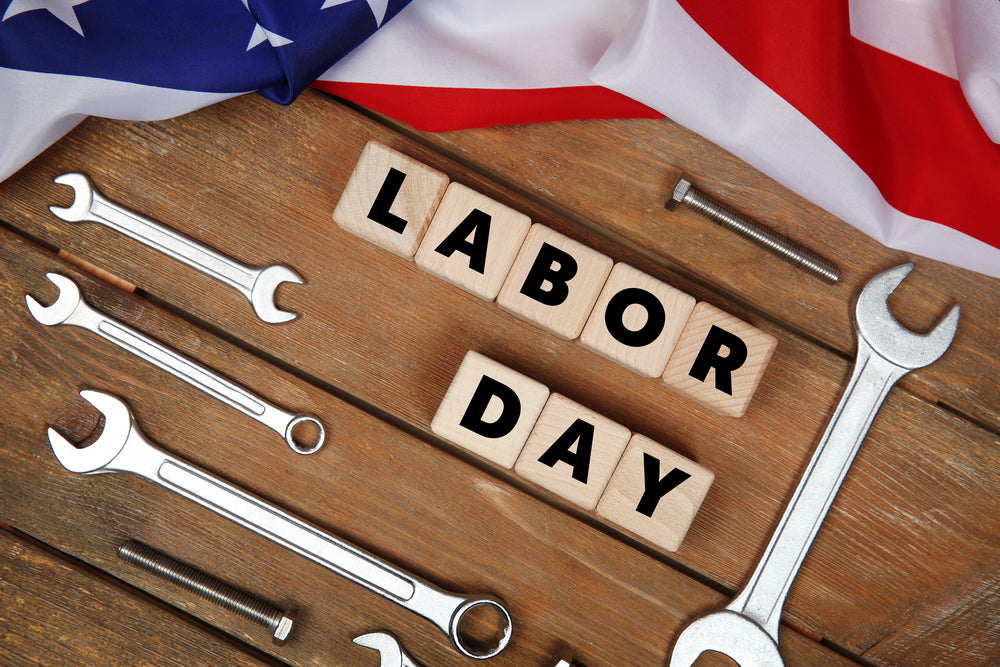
column 378, row 7
column 61, row 9
column 261, row 34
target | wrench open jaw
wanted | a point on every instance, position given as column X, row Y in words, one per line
column 98, row 456
column 390, row 653
column 747, row 629
column 60, row 310
column 258, row 285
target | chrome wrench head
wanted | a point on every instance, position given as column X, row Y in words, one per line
column 262, row 294
column 889, row 350
column 62, row 308
column 391, row 654
column 729, row 633
column 95, row 457
column 887, row 337
column 83, row 191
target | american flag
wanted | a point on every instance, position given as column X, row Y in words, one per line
column 884, row 112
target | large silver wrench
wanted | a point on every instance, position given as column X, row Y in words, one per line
column 257, row 285
column 747, row 629
column 71, row 308
column 121, row 447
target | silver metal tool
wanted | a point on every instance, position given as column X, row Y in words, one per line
column 747, row 629
column 390, row 652
column 257, row 285
column 71, row 308
column 755, row 232
column 276, row 619
column 121, row 447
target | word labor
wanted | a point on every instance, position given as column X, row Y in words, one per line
column 547, row 278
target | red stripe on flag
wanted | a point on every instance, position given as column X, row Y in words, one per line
column 442, row 109
column 908, row 127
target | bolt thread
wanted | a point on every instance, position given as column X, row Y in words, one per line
column 242, row 602
column 763, row 236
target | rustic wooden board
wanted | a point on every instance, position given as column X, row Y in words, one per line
column 383, row 335
column 378, row 486
column 57, row 613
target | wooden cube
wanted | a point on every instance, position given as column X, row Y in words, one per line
column 655, row 492
column 472, row 241
column 390, row 199
column 637, row 320
column 489, row 409
column 554, row 282
column 572, row 451
column 719, row 360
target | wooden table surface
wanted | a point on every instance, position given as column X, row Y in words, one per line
column 906, row 568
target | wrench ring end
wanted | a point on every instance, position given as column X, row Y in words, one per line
column 294, row 444
column 455, row 634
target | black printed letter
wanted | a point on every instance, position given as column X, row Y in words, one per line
column 383, row 202
column 505, row 423
column 579, row 431
column 477, row 225
column 709, row 357
column 656, row 318
column 654, row 487
column 554, row 267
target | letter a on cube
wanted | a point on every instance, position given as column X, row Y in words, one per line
column 390, row 199
column 489, row 409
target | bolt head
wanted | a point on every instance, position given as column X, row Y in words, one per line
column 677, row 198
column 284, row 626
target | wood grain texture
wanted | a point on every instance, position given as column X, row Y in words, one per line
column 57, row 613
column 489, row 409
column 409, row 198
column 472, row 241
column 572, row 451
column 554, row 282
column 719, row 360
column 901, row 573
column 648, row 315
column 655, row 492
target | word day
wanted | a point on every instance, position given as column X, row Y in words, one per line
column 547, row 278
column 574, row 452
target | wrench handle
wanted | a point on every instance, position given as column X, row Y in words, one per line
column 197, row 375
column 764, row 595
column 445, row 610
column 173, row 244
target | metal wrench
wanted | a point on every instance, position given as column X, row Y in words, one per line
column 747, row 629
column 257, row 285
column 390, row 653
column 71, row 308
column 121, row 447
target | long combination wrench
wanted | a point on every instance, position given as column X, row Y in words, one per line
column 747, row 629
column 257, row 285
column 71, row 308
column 121, row 447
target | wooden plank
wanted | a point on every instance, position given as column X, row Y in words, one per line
column 56, row 612
column 381, row 488
column 613, row 176
column 392, row 337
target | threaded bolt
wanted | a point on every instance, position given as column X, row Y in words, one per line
column 765, row 237
column 244, row 603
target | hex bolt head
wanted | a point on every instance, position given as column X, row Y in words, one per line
column 284, row 626
column 677, row 198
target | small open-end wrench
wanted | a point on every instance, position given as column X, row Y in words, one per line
column 747, row 629
column 390, row 652
column 71, row 308
column 121, row 447
column 257, row 285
